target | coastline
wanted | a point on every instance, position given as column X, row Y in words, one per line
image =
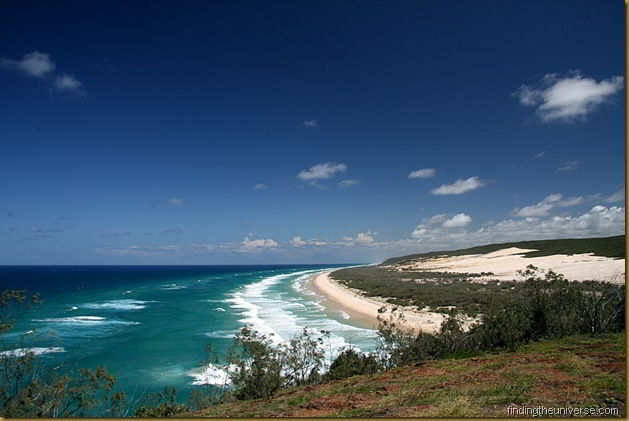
column 365, row 309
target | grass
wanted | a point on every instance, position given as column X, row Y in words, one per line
column 577, row 370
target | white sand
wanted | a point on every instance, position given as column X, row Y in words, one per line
column 505, row 263
column 352, row 302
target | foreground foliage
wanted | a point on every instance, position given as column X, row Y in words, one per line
column 579, row 370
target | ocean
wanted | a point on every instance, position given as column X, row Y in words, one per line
column 149, row 325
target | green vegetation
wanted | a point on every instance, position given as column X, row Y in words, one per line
column 600, row 246
column 436, row 290
column 481, row 386
column 352, row 363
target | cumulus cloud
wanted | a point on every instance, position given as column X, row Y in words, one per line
column 569, row 166
column 299, row 242
column 39, row 65
column 348, row 183
column 568, row 98
column 175, row 201
column 260, row 186
column 539, row 155
column 67, row 83
column 321, row 171
column 598, row 221
column 441, row 220
column 459, row 186
column 254, row 246
column 422, row 173
column 33, row 64
column 458, row 220
column 550, row 202
column 361, row 239
column 312, row 124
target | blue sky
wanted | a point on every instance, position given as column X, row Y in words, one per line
column 305, row 132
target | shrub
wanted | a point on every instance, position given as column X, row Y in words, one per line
column 352, row 363
column 257, row 366
column 159, row 405
column 302, row 359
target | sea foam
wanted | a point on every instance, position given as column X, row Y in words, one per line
column 22, row 352
column 85, row 320
column 268, row 311
column 211, row 374
column 125, row 304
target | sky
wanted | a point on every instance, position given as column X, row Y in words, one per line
column 246, row 132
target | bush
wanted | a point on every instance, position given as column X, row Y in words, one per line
column 398, row 347
column 547, row 306
column 351, row 363
column 302, row 359
column 161, row 405
column 257, row 366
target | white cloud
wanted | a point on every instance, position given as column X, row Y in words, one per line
column 568, row 98
column 361, row 239
column 437, row 219
column 618, row 196
column 422, row 173
column 441, row 220
column 254, row 246
column 33, row 64
column 41, row 66
column 599, row 221
column 569, row 166
column 312, row 124
column 550, row 202
column 459, row 186
column 348, row 183
column 67, row 83
column 458, row 220
column 175, row 201
column 365, row 237
column 321, row 171
column 539, row 155
column 298, row 242
column 260, row 186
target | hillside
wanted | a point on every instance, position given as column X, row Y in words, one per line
column 577, row 371
column 600, row 246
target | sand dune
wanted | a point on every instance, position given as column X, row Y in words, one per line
column 505, row 263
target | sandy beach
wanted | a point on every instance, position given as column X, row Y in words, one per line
column 367, row 308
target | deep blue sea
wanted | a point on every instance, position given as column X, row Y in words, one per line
column 149, row 325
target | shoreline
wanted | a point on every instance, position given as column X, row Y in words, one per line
column 365, row 309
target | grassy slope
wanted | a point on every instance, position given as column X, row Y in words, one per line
column 600, row 246
column 575, row 371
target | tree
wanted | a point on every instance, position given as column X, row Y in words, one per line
column 30, row 388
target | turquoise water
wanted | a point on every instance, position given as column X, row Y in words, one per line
column 149, row 325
